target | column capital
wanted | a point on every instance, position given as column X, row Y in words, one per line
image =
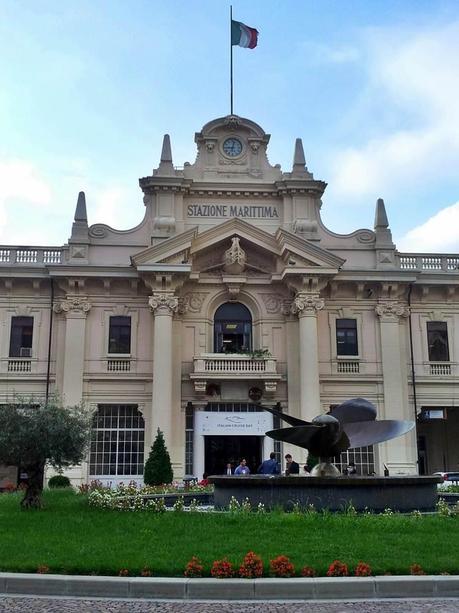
column 306, row 304
column 163, row 303
column 391, row 311
column 73, row 306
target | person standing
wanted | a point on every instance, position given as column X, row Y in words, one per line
column 269, row 467
column 292, row 468
column 242, row 469
column 229, row 469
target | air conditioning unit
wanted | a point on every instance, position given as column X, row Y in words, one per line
column 25, row 352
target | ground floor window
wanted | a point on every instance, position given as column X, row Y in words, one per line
column 117, row 441
column 362, row 457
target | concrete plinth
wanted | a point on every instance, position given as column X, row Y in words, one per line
column 333, row 493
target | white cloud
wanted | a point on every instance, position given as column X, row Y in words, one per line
column 20, row 181
column 416, row 75
column 437, row 234
column 318, row 54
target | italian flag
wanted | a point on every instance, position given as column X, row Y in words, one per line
column 243, row 36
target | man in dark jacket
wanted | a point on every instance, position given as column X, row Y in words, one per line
column 292, row 468
column 269, row 467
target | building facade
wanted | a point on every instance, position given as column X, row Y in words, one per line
column 230, row 292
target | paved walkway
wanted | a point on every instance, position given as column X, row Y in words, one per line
column 19, row 604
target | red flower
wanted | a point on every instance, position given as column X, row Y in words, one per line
column 282, row 567
column 222, row 569
column 338, row 569
column 416, row 569
column 307, row 571
column 252, row 566
column 123, row 573
column 193, row 568
column 362, row 570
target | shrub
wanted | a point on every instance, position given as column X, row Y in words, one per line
column 222, row 569
column 42, row 569
column 338, row 569
column 362, row 570
column 416, row 569
column 193, row 568
column 158, row 467
column 59, row 481
column 124, row 572
column 282, row 567
column 252, row 566
column 307, row 571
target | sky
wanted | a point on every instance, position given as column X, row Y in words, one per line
column 88, row 88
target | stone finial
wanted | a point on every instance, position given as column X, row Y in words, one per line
column 80, row 211
column 299, row 161
column 234, row 259
column 80, row 223
column 381, row 221
column 165, row 165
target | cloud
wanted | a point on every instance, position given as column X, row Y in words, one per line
column 318, row 55
column 20, row 181
column 410, row 101
column 437, row 234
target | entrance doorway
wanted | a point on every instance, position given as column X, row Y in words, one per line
column 219, row 450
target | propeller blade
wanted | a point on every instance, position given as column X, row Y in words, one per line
column 293, row 421
column 297, row 435
column 364, row 433
column 355, row 409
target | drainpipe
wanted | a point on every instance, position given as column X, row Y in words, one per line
column 413, row 375
column 48, row 366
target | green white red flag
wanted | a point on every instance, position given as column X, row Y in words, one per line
column 243, row 36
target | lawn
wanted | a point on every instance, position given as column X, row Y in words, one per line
column 68, row 536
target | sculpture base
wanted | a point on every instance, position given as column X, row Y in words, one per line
column 333, row 493
column 325, row 469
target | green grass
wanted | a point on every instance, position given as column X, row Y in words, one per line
column 70, row 537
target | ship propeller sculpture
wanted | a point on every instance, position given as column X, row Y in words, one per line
column 348, row 425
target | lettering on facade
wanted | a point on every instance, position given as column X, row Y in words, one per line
column 233, row 210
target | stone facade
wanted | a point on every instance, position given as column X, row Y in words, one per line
column 232, row 229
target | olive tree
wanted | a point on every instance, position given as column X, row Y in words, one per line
column 33, row 434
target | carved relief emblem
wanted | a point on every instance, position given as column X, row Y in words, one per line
column 234, row 259
column 163, row 303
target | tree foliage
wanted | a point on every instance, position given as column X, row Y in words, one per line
column 33, row 434
column 158, row 468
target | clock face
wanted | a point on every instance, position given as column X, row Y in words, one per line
column 232, row 147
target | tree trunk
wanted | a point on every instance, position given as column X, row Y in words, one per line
column 32, row 496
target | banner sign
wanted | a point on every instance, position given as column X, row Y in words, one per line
column 239, row 424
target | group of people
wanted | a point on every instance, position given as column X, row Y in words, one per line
column 267, row 467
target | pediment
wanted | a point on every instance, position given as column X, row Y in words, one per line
column 261, row 253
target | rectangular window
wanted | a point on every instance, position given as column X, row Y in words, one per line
column 21, row 337
column 119, row 336
column 437, row 339
column 346, row 337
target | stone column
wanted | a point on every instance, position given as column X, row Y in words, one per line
column 75, row 309
column 399, row 454
column 307, row 305
column 163, row 305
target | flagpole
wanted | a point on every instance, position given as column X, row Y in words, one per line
column 231, row 59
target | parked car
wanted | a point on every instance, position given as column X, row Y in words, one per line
column 449, row 478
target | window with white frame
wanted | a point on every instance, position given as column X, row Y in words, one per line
column 117, row 441
column 346, row 337
column 21, row 337
column 119, row 335
column 437, row 340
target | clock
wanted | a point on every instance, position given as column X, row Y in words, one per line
column 232, row 147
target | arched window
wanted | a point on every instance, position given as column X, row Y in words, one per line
column 232, row 328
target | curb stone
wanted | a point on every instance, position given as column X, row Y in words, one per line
column 323, row 588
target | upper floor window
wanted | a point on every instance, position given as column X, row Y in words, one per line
column 232, row 328
column 437, row 340
column 119, row 335
column 21, row 337
column 346, row 337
